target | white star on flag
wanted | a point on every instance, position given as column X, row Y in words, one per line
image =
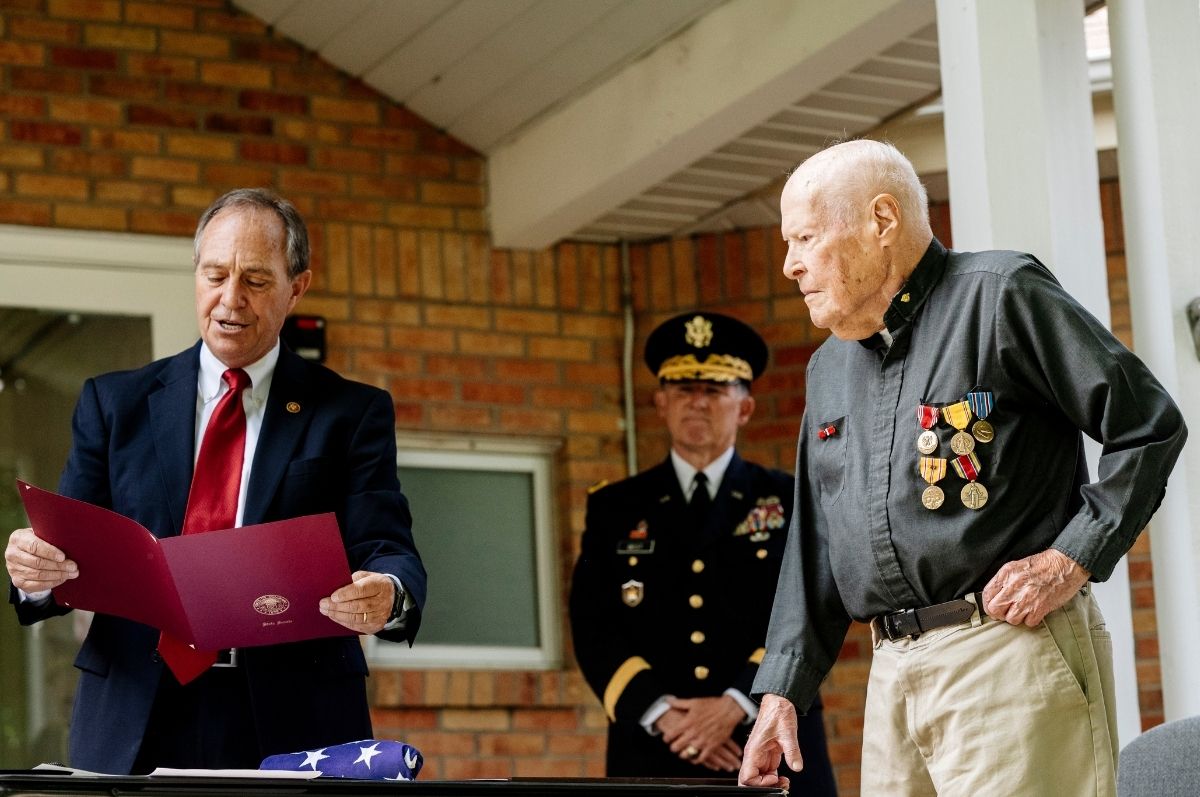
column 312, row 758
column 385, row 759
column 366, row 754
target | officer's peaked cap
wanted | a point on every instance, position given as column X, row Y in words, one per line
column 707, row 347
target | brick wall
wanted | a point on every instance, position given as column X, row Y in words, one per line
column 131, row 116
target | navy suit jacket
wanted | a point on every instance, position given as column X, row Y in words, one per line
column 334, row 450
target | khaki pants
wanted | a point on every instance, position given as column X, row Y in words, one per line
column 988, row 709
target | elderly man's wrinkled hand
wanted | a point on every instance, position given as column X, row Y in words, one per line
column 1023, row 592
column 774, row 740
column 35, row 565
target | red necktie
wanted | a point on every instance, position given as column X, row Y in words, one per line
column 212, row 502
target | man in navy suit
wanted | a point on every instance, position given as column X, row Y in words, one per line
column 314, row 443
column 675, row 581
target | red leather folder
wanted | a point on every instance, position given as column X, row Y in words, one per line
column 254, row 585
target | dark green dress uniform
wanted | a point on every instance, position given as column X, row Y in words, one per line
column 665, row 603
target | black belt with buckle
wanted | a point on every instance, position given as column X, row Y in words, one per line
column 914, row 622
column 227, row 658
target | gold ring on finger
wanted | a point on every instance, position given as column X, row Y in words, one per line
column 690, row 751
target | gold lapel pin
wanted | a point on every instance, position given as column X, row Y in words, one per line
column 293, row 407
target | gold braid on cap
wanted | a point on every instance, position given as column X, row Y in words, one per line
column 715, row 368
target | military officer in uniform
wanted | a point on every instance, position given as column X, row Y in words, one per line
column 672, row 590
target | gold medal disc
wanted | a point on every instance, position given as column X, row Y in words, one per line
column 983, row 431
column 974, row 495
column 962, row 443
column 927, row 442
column 933, row 497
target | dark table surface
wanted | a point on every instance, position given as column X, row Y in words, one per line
column 34, row 784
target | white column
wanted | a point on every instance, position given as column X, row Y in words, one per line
column 1021, row 161
column 1156, row 83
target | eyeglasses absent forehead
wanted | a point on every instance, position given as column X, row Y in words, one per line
column 693, row 388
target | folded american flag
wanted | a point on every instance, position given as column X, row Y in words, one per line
column 370, row 759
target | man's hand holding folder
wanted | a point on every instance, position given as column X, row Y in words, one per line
column 255, row 585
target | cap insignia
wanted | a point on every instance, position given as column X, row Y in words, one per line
column 698, row 332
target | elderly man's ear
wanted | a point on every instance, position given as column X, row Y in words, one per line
column 885, row 212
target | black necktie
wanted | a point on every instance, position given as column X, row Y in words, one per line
column 701, row 502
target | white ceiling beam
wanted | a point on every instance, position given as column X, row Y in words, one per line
column 725, row 74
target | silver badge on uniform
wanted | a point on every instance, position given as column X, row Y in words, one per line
column 632, row 593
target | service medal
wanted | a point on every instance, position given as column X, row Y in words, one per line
column 981, row 404
column 974, row 495
column 962, row 443
column 933, row 497
column 927, row 442
column 957, row 415
column 933, row 469
column 966, row 466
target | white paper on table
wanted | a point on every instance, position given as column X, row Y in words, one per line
column 171, row 772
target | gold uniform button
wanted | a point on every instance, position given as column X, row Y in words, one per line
column 698, row 566
column 761, row 553
column 697, row 637
column 701, row 672
column 632, row 561
column 695, row 601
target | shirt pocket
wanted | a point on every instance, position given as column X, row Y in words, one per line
column 829, row 456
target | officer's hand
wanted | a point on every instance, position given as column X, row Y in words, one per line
column 674, row 723
column 1027, row 590
column 35, row 565
column 774, row 739
column 725, row 758
column 670, row 724
column 364, row 605
column 699, row 729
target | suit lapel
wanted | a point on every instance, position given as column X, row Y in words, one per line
column 668, row 498
column 733, row 499
column 172, row 408
column 729, row 505
column 287, row 414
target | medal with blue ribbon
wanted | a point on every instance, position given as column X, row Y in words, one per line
column 981, row 405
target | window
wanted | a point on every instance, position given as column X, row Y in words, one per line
column 483, row 522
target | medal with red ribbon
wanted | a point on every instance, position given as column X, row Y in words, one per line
column 927, row 416
column 974, row 495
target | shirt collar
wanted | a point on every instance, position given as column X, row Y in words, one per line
column 714, row 472
column 911, row 297
column 260, row 372
column 908, row 300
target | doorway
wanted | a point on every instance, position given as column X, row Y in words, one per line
column 45, row 356
column 72, row 305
